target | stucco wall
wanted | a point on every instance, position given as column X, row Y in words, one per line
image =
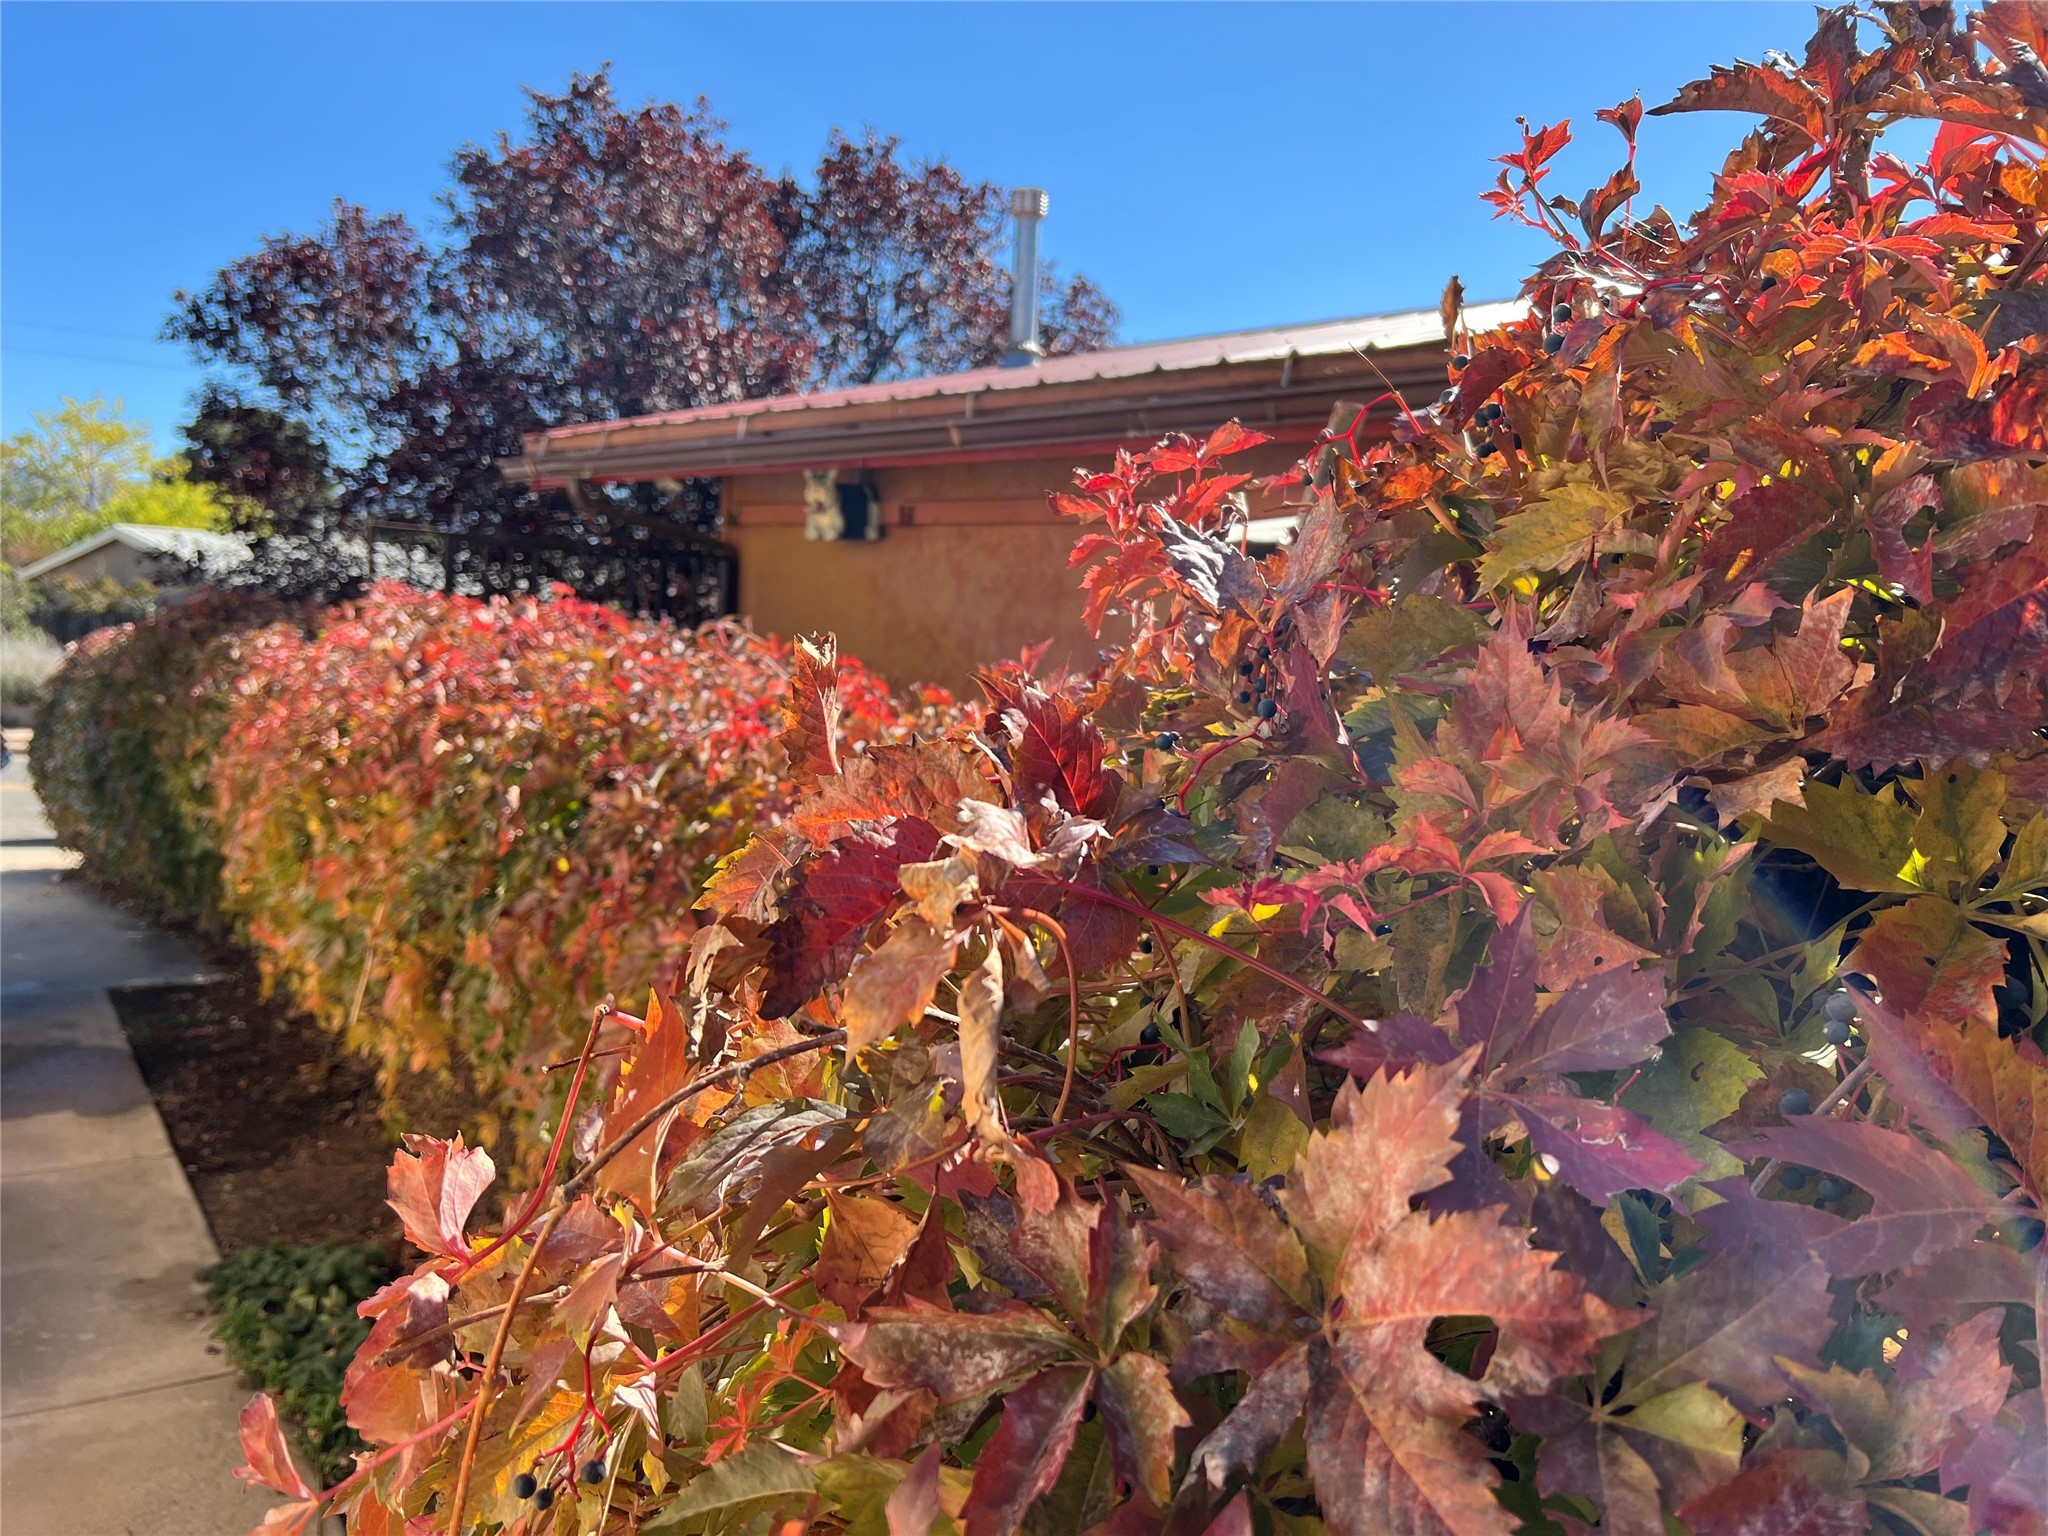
column 920, row 604
column 110, row 562
column 971, row 568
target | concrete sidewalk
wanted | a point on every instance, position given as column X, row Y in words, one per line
column 117, row 1412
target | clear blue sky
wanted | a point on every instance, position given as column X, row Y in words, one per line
column 1213, row 166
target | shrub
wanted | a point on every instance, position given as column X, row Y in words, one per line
column 28, row 658
column 124, row 745
column 1375, row 1103
column 446, row 827
column 288, row 1319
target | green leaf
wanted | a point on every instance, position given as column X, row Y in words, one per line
column 1272, row 1137
column 1554, row 533
column 1918, row 1510
column 2026, row 867
column 1393, row 641
column 1864, row 841
column 753, row 1481
column 1186, row 1117
column 1238, row 1079
column 1645, row 1242
column 1959, row 830
column 1696, row 1417
column 1334, row 828
column 1144, row 1080
column 1698, row 1080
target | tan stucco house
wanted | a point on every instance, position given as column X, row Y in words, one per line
column 911, row 519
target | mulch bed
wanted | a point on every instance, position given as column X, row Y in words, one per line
column 277, row 1127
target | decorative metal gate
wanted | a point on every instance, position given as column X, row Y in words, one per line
column 643, row 565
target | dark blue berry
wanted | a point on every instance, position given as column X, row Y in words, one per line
column 1840, row 1006
column 1486, row 448
column 593, row 1471
column 1245, row 669
column 544, row 1499
column 1795, row 1101
column 1560, row 314
column 1267, row 709
column 1166, row 741
column 1461, row 361
column 1830, row 1190
column 1835, row 1032
column 523, row 1485
column 1258, row 685
column 1244, row 695
column 1793, row 1177
column 1767, row 284
column 1553, row 343
column 1447, row 397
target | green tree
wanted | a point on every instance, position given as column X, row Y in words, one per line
column 83, row 467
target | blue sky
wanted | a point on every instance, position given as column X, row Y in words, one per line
column 1213, row 166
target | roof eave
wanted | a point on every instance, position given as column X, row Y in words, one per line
column 1286, row 394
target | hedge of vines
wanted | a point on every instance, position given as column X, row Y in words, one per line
column 1522, row 1012
column 125, row 744
column 446, row 827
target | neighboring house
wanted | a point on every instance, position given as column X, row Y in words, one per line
column 912, row 520
column 127, row 553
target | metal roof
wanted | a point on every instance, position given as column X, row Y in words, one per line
column 1365, row 333
column 215, row 552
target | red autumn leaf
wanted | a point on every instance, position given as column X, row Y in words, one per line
column 1233, row 1249
column 301, row 1517
column 810, row 715
column 1600, row 1149
column 1141, row 1414
column 662, row 1064
column 1929, row 962
column 955, row 1356
column 269, row 1462
column 1922, row 1200
column 1943, row 1393
column 1612, row 1019
column 834, row 898
column 433, row 1186
column 1792, row 1493
column 1054, row 748
column 922, row 779
column 1030, row 1445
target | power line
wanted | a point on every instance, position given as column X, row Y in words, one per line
column 96, row 357
column 75, row 330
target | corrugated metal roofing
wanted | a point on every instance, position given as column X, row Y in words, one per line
column 1366, row 333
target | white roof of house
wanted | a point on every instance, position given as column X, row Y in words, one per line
column 214, row 553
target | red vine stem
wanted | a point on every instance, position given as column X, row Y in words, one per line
column 547, row 1173
column 1180, row 798
column 364, row 1469
column 1196, row 934
column 496, row 1358
column 1059, row 933
column 738, row 1069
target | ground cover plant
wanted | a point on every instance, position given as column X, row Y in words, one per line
column 287, row 1316
column 1521, row 1012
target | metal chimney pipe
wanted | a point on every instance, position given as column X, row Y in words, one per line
column 1027, row 206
